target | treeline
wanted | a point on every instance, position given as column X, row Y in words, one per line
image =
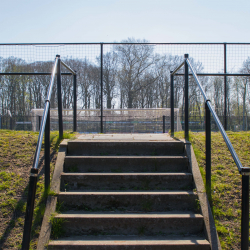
column 134, row 76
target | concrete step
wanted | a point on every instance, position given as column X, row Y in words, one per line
column 116, row 148
column 126, row 181
column 130, row 243
column 126, row 164
column 129, row 201
column 130, row 224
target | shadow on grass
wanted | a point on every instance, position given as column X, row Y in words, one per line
column 20, row 210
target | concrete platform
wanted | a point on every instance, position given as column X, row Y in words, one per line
column 126, row 137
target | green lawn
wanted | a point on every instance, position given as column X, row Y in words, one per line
column 17, row 149
column 226, row 181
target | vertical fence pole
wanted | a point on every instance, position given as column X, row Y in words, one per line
column 75, row 104
column 172, row 102
column 59, row 96
column 245, row 213
column 47, row 151
column 163, row 125
column 11, row 123
column 101, row 61
column 29, row 209
column 225, row 86
column 39, row 122
column 186, row 98
column 208, row 150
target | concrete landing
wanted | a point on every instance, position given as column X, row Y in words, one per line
column 126, row 137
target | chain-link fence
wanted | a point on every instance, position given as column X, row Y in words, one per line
column 134, row 76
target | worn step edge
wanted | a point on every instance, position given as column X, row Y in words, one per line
column 129, row 216
column 172, row 193
column 129, row 174
column 97, row 242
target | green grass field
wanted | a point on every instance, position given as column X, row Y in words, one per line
column 17, row 150
column 226, row 181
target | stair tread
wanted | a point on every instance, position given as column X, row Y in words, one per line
column 129, row 193
column 125, row 156
column 128, row 174
column 128, row 215
column 130, row 240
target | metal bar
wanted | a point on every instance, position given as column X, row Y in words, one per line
column 45, row 112
column 197, row 80
column 208, row 151
column 11, row 123
column 163, row 125
column 242, row 170
column 39, row 122
column 186, row 97
column 68, row 67
column 11, row 44
column 176, row 69
column 29, row 209
column 245, row 213
column 226, row 139
column 59, row 97
column 31, row 74
column 172, row 102
column 75, row 104
column 213, row 74
column 47, row 152
column 225, row 86
column 101, row 87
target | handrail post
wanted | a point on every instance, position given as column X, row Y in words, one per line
column 172, row 102
column 59, row 97
column 101, row 61
column 29, row 209
column 245, row 213
column 208, row 150
column 186, row 97
column 163, row 124
column 225, row 87
column 47, row 151
column 75, row 104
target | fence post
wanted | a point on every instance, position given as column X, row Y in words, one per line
column 208, row 150
column 225, row 86
column 75, row 104
column 39, row 122
column 163, row 125
column 186, row 97
column 245, row 213
column 101, row 61
column 172, row 103
column 29, row 209
column 47, row 151
column 59, row 96
column 11, row 123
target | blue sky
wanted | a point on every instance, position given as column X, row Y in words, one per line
column 31, row 21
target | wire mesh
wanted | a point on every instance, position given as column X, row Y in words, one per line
column 135, row 76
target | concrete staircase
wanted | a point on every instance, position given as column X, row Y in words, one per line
column 128, row 195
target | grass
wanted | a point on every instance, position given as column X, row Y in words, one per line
column 17, row 149
column 226, row 181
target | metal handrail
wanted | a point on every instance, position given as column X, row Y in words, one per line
column 45, row 113
column 68, row 68
column 242, row 170
column 34, row 169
